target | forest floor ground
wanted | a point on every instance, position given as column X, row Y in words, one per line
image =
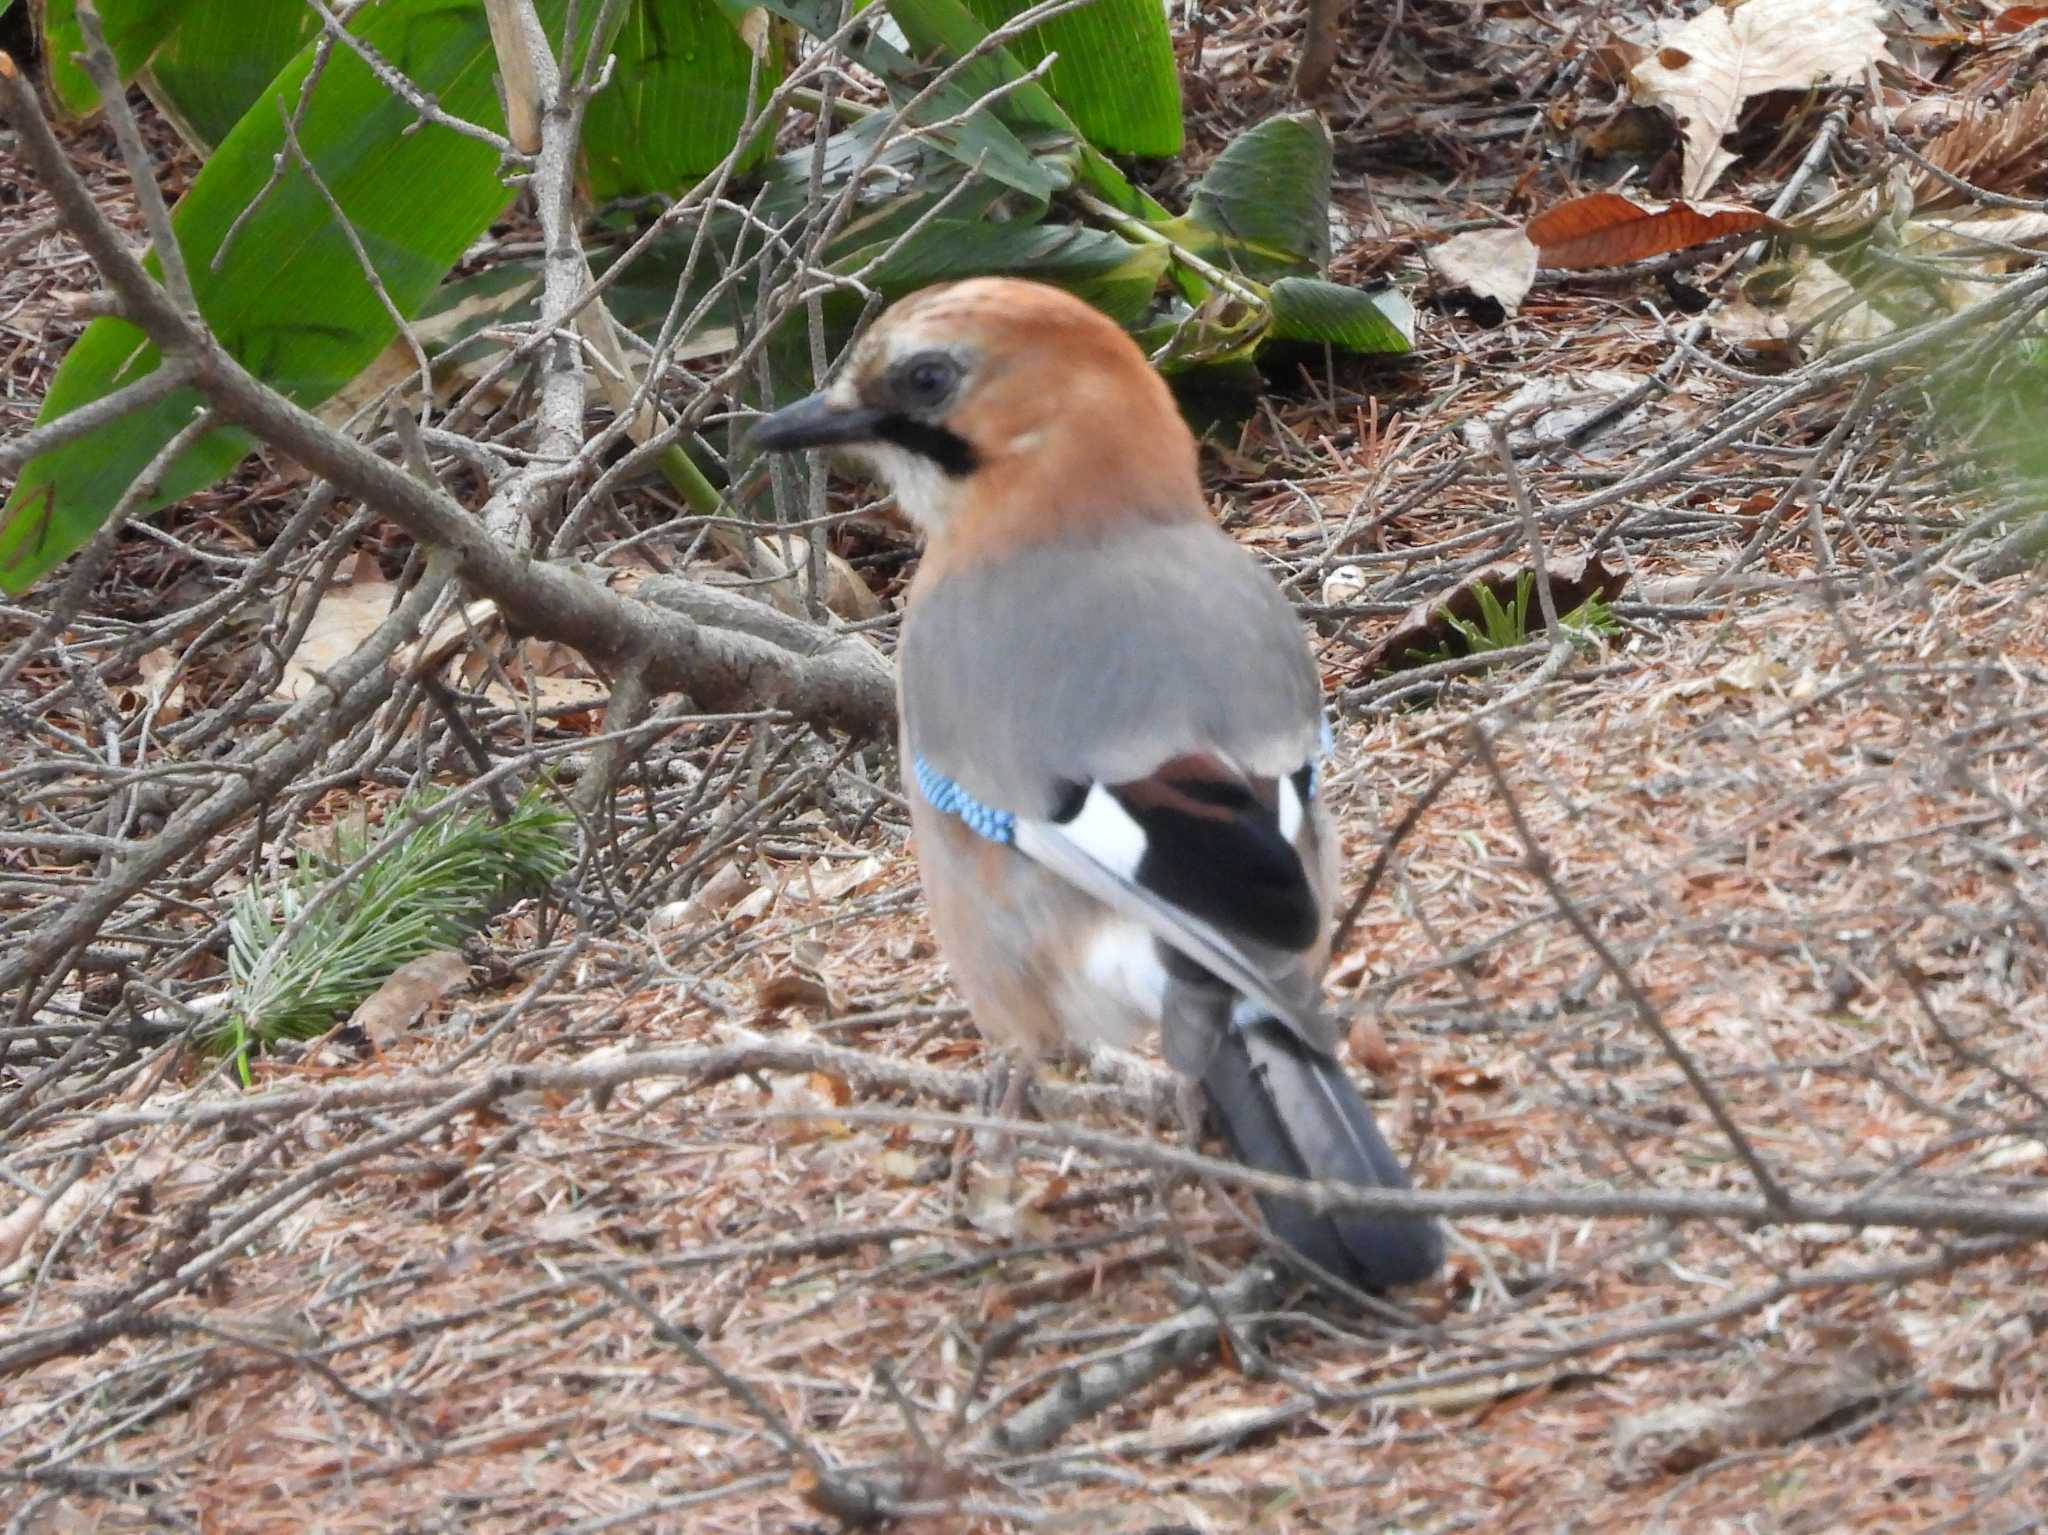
column 1801, row 810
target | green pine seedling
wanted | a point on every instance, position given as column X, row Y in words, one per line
column 432, row 889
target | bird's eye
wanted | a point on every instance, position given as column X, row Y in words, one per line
column 928, row 380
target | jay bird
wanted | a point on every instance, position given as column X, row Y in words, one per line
column 1112, row 724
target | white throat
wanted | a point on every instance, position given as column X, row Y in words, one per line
column 922, row 489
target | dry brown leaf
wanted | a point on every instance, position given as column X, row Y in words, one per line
column 1553, row 407
column 1370, row 1049
column 1346, row 583
column 779, row 561
column 343, row 620
column 825, row 880
column 727, row 885
column 1706, row 68
column 407, row 993
column 1426, row 627
column 1000, row 1204
column 1607, row 229
column 1850, row 1368
column 2017, row 18
column 18, row 1225
column 1499, row 264
column 163, row 685
column 397, row 366
column 2001, row 149
column 793, row 988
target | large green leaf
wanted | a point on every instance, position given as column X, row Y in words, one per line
column 981, row 139
column 677, row 98
column 946, row 29
column 1309, row 309
column 1264, row 207
column 133, row 29
column 1116, row 277
column 288, row 298
column 1116, row 74
column 220, row 60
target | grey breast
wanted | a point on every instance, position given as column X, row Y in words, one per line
column 1098, row 661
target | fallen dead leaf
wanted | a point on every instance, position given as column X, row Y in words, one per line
column 1607, row 229
column 1849, row 1369
column 725, row 887
column 345, row 617
column 2002, row 149
column 793, row 988
column 1369, row 1047
column 998, row 1205
column 834, row 880
column 1347, row 583
column 1547, row 411
column 389, row 1012
column 1706, row 68
column 163, row 687
column 1426, row 627
column 779, row 561
column 1499, row 264
column 18, row 1225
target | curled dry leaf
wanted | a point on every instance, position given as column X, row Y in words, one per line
column 779, row 561
column 1426, row 627
column 1706, row 68
column 164, row 689
column 18, row 1225
column 1548, row 411
column 1499, row 264
column 1369, row 1047
column 1347, row 583
column 793, row 988
column 727, row 885
column 2001, row 149
column 1850, row 1369
column 1603, row 229
column 834, row 880
column 407, row 993
column 543, row 675
column 344, row 618
column 1607, row 229
column 2017, row 18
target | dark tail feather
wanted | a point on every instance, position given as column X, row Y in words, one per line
column 1288, row 1108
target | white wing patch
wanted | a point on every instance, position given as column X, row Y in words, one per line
column 1290, row 810
column 1106, row 832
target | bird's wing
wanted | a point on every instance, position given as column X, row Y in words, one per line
column 1143, row 720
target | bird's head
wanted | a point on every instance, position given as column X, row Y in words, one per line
column 995, row 394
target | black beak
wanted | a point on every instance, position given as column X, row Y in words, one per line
column 812, row 422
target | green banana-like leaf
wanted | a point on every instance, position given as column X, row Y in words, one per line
column 982, row 140
column 133, row 29
column 678, row 96
column 1115, row 276
column 946, row 29
column 1115, row 75
column 220, row 60
column 1309, row 309
column 1263, row 208
column 288, row 298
